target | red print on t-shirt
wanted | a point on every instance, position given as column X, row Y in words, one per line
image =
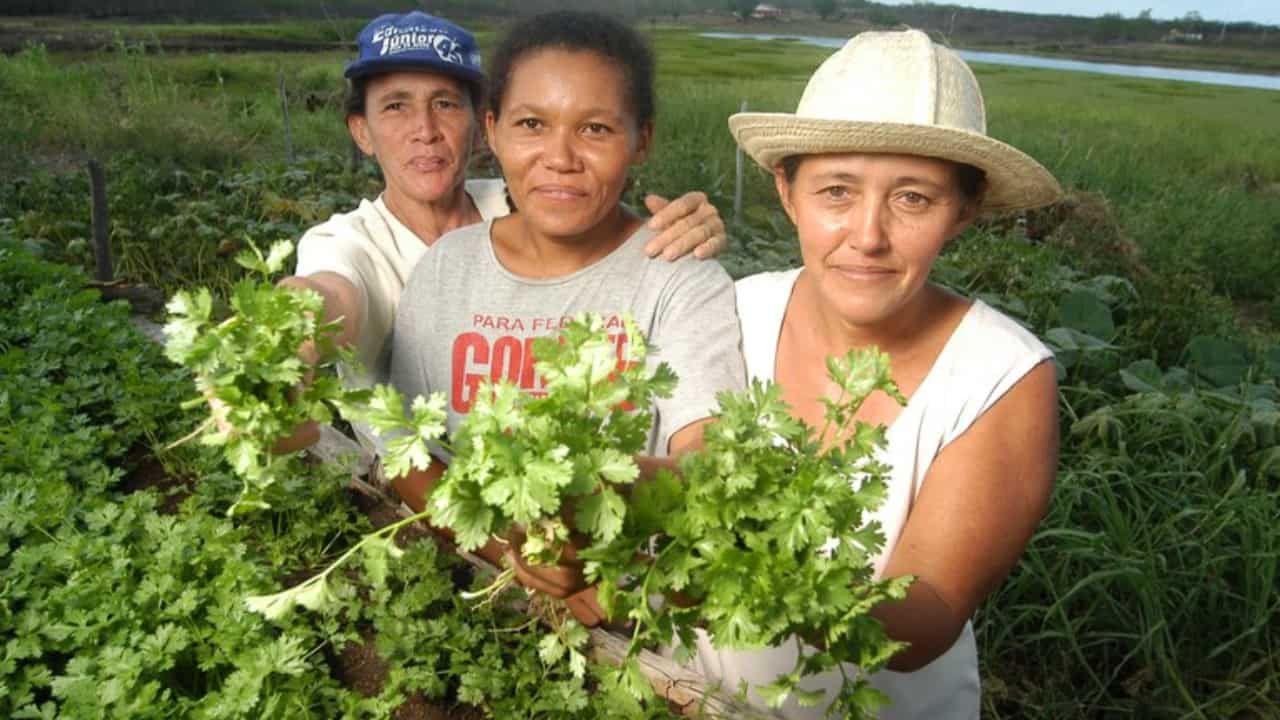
column 477, row 357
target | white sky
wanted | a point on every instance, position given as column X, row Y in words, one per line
column 1259, row 11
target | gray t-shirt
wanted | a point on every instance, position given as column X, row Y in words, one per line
column 464, row 318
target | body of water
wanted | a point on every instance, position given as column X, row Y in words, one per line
column 1207, row 77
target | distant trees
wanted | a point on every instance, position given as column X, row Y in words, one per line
column 742, row 8
column 1114, row 27
column 1110, row 27
column 959, row 23
column 1193, row 22
column 196, row 9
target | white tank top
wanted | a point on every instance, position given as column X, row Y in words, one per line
column 985, row 356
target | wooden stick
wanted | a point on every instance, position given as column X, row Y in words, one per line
column 288, row 129
column 102, row 269
column 737, row 179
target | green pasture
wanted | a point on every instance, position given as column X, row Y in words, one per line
column 158, row 34
column 1150, row 590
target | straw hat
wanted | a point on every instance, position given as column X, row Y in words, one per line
column 898, row 92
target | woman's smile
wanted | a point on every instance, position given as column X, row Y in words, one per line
column 559, row 193
column 862, row 273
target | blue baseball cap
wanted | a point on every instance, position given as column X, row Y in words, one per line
column 416, row 41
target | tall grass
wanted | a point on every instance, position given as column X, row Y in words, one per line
column 204, row 110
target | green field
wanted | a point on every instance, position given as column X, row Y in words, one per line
column 1151, row 589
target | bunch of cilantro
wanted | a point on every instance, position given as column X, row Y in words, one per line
column 556, row 466
column 762, row 538
column 765, row 538
column 249, row 366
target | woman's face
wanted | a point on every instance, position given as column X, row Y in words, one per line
column 566, row 137
column 871, row 225
column 419, row 126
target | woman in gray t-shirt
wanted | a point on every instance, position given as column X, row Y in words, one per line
column 570, row 112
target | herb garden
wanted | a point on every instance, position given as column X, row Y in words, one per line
column 153, row 565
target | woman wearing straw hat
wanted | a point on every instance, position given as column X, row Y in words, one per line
column 885, row 160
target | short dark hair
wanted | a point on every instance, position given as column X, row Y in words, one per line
column 578, row 32
column 969, row 179
column 357, row 96
column 355, row 102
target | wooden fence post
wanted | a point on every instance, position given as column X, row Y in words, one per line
column 737, row 185
column 288, row 130
column 102, row 270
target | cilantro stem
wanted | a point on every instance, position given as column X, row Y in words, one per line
column 45, row 533
column 493, row 589
column 826, row 424
column 518, row 628
column 191, row 435
column 388, row 531
column 644, row 599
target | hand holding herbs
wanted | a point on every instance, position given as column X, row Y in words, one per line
column 551, row 466
column 763, row 533
column 248, row 367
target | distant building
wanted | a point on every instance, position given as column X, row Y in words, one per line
column 1175, row 35
column 767, row 12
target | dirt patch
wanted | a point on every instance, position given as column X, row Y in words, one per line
column 1260, row 316
column 359, row 667
column 144, row 472
column 381, row 513
column 1088, row 224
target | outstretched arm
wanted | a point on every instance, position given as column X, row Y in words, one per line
column 341, row 302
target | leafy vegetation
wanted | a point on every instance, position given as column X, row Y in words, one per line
column 123, row 599
column 762, row 521
column 766, row 505
column 249, row 366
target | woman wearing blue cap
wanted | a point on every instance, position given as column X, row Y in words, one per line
column 413, row 106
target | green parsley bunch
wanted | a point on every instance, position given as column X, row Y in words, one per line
column 554, row 465
column 765, row 538
column 249, row 364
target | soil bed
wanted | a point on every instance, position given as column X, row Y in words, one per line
column 145, row 472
